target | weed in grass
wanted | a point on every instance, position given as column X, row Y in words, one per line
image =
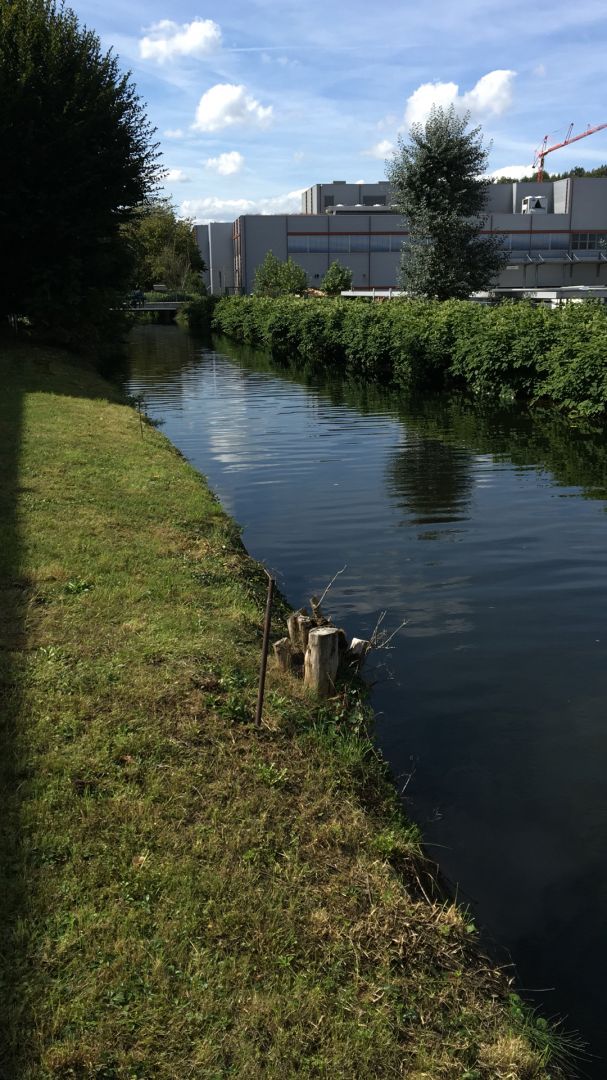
column 271, row 774
column 78, row 586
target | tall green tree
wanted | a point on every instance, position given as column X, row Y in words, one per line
column 77, row 155
column 337, row 277
column 164, row 248
column 276, row 278
column 439, row 188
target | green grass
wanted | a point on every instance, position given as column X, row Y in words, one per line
column 182, row 894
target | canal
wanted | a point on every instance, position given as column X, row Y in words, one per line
column 487, row 532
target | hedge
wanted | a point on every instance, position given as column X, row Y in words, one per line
column 514, row 351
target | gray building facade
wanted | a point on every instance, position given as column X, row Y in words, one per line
column 555, row 234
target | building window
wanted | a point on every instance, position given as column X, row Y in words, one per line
column 396, row 241
column 359, row 243
column 317, row 243
column 559, row 241
column 329, row 200
column 374, row 200
column 339, row 242
column 297, row 245
column 587, row 241
column 380, row 243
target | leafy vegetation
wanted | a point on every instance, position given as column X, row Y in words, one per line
column 577, row 170
column 337, row 277
column 184, row 894
column 164, row 249
column 276, row 278
column 438, row 186
column 509, row 352
column 77, row 156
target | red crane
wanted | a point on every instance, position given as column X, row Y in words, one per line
column 544, row 149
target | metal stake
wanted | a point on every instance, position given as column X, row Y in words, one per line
column 264, row 650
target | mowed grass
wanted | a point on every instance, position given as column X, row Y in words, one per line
column 182, row 894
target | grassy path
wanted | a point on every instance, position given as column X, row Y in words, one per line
column 182, row 895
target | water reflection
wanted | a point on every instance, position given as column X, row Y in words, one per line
column 431, row 480
column 487, row 530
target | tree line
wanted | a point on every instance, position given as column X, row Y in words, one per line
column 81, row 219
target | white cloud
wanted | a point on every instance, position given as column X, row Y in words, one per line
column 173, row 133
column 492, row 94
column 215, row 209
column 381, row 149
column 516, row 172
column 225, row 105
column 226, row 164
column 166, row 40
column 539, row 71
column 282, row 61
column 176, row 176
column 298, row 155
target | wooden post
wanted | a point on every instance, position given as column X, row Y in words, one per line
column 359, row 647
column 264, row 650
column 304, row 625
column 293, row 628
column 282, row 652
column 322, row 660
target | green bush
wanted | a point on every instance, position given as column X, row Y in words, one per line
column 199, row 313
column 510, row 352
column 337, row 277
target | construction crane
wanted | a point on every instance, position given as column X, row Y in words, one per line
column 544, row 149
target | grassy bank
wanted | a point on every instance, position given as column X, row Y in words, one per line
column 512, row 352
column 183, row 895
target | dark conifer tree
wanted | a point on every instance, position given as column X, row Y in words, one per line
column 77, row 155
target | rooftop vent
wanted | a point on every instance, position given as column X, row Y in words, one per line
column 339, row 181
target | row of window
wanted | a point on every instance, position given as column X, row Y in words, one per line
column 536, row 241
column 342, row 243
column 346, row 243
column 588, row 241
column 585, row 241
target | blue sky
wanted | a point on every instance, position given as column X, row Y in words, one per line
column 255, row 101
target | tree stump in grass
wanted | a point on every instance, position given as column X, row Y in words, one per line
column 283, row 654
column 304, row 625
column 322, row 660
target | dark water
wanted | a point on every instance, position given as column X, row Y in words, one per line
column 487, row 532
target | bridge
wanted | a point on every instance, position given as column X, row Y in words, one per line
column 158, row 305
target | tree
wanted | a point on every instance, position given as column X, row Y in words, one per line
column 77, row 156
column 337, row 277
column 164, row 248
column 276, row 278
column 439, row 188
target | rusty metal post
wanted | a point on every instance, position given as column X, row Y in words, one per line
column 264, row 650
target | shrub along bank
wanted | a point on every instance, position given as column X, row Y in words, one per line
column 181, row 893
column 510, row 352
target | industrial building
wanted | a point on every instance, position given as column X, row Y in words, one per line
column 555, row 233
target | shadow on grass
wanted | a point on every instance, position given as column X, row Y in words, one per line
column 23, row 371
